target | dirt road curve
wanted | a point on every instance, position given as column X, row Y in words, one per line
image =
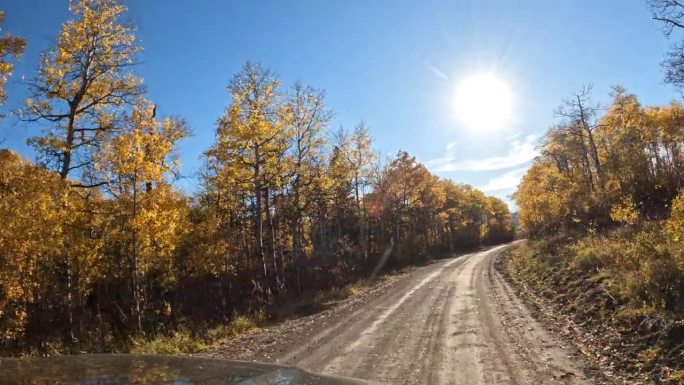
column 455, row 321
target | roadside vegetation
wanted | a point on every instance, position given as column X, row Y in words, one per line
column 101, row 252
column 288, row 306
column 608, row 311
column 603, row 206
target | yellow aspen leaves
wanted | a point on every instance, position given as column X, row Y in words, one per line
column 83, row 79
column 9, row 46
column 640, row 152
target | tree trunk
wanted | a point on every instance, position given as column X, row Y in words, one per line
column 258, row 218
column 134, row 261
column 272, row 244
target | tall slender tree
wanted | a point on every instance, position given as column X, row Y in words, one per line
column 252, row 139
column 308, row 119
column 136, row 165
column 81, row 85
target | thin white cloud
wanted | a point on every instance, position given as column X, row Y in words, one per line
column 506, row 181
column 437, row 72
column 519, row 152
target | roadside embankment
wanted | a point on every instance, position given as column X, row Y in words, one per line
column 606, row 312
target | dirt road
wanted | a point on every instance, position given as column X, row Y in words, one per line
column 455, row 321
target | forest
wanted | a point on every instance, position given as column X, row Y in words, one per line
column 99, row 248
column 618, row 174
column 603, row 206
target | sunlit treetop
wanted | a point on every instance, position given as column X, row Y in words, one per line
column 10, row 46
column 82, row 84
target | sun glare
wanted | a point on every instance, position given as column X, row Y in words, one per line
column 483, row 102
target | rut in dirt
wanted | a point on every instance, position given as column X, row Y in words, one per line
column 456, row 321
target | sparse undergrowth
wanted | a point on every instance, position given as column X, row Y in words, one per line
column 187, row 341
column 618, row 296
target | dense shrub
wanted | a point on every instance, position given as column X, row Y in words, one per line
column 643, row 266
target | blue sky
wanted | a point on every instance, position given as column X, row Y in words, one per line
column 393, row 64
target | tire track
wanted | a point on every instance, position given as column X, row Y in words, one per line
column 455, row 321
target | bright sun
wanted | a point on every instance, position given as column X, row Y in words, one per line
column 483, row 102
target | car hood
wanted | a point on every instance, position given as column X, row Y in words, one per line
column 117, row 369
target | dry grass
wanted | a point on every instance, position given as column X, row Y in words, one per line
column 624, row 290
column 186, row 342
